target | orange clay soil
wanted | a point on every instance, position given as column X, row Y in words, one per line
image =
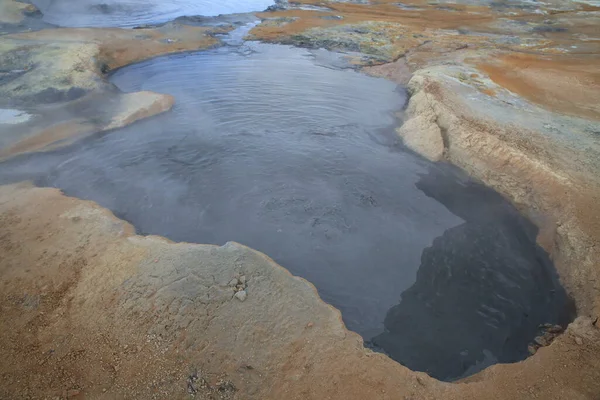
column 120, row 47
column 563, row 83
column 417, row 20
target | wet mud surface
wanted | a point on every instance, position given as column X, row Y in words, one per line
column 276, row 149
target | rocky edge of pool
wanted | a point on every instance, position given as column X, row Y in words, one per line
column 452, row 232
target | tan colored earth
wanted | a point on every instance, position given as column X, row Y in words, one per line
column 90, row 310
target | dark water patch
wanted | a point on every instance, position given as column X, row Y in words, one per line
column 482, row 291
column 223, row 19
column 446, row 8
column 520, row 5
column 130, row 13
column 407, row 6
column 548, row 29
column 268, row 148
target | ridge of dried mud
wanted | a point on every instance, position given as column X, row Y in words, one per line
column 90, row 310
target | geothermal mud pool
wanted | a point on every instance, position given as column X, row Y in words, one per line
column 283, row 150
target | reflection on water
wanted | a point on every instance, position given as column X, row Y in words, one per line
column 128, row 13
column 482, row 289
column 267, row 148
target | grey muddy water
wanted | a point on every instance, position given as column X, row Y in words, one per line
column 275, row 148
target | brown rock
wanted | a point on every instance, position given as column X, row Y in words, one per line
column 532, row 349
column 241, row 295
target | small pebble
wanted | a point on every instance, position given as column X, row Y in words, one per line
column 233, row 282
column 532, row 349
column 241, row 295
column 243, row 279
column 554, row 329
column 541, row 341
column 578, row 340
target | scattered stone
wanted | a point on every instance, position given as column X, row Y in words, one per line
column 578, row 340
column 532, row 348
column 549, row 333
column 191, row 389
column 309, row 325
column 191, row 382
column 275, row 7
column 278, row 22
column 375, row 39
column 241, row 295
column 423, row 135
column 546, row 338
column 541, row 340
column 226, row 386
column 243, row 279
column 233, row 282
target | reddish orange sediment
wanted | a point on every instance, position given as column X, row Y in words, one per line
column 563, row 83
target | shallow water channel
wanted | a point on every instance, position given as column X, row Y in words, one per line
column 278, row 149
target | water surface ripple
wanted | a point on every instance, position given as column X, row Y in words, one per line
column 300, row 161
